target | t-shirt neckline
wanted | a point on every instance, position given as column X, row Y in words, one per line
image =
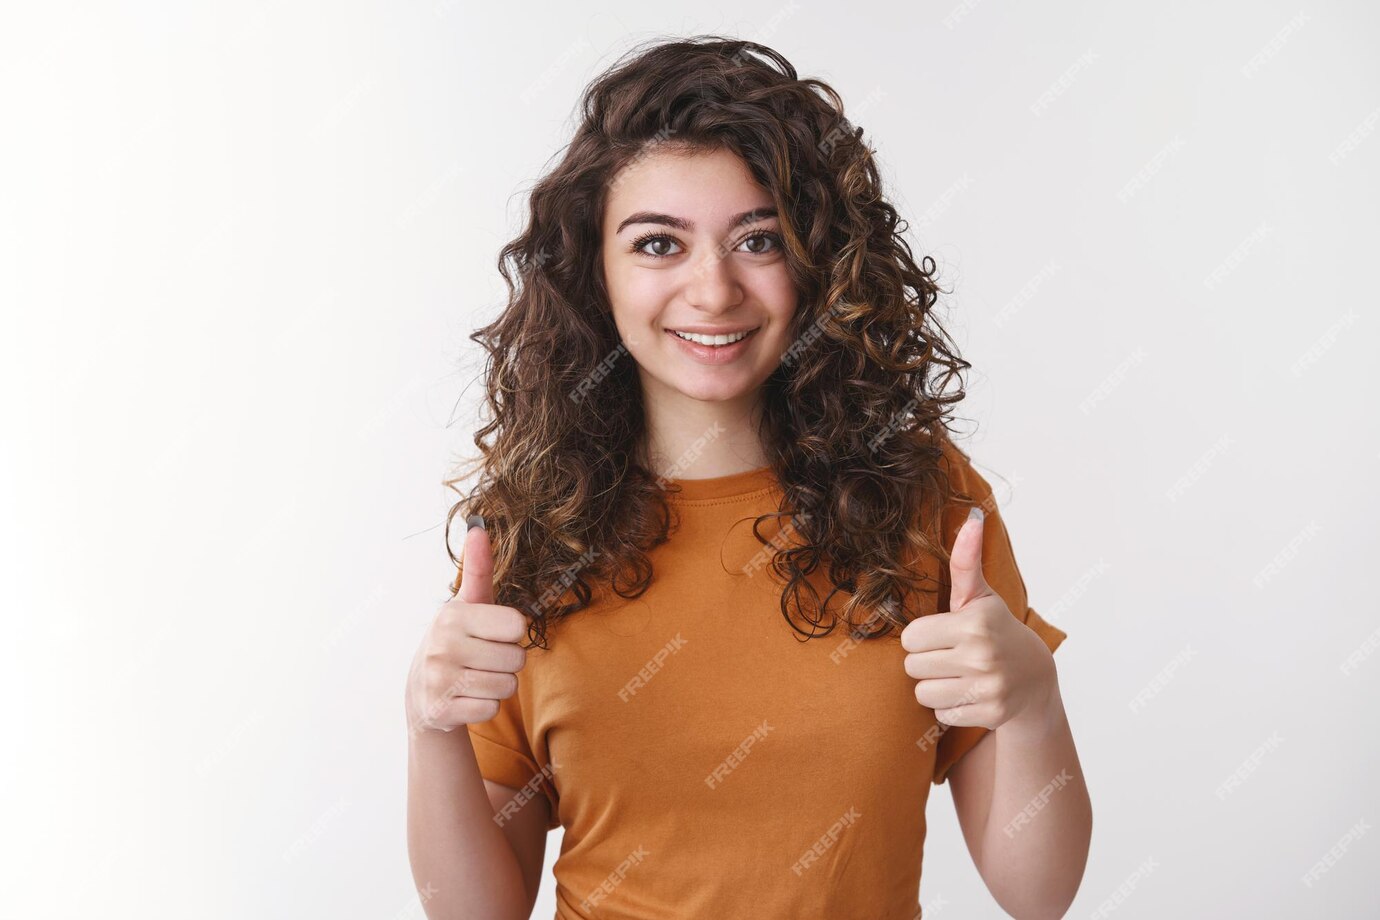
column 731, row 486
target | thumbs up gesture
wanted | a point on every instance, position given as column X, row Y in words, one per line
column 976, row 664
column 470, row 657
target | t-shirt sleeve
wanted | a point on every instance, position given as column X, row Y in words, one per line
column 1000, row 569
column 504, row 754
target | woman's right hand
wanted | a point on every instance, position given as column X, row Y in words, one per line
column 470, row 657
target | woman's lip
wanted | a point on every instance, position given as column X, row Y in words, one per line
column 697, row 332
column 712, row 354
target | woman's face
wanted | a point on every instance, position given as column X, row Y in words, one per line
column 689, row 244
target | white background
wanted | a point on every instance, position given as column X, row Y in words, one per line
column 241, row 249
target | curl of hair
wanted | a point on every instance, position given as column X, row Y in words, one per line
column 854, row 416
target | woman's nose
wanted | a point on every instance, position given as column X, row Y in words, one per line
column 712, row 284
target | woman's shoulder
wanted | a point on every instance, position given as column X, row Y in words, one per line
column 956, row 462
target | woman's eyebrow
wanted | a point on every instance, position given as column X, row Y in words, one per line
column 680, row 223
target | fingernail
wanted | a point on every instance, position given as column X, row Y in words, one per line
column 473, row 521
column 975, row 512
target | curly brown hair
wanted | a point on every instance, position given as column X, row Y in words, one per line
column 855, row 418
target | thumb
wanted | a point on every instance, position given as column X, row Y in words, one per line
column 965, row 563
column 477, row 564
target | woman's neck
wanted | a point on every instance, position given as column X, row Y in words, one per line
column 702, row 439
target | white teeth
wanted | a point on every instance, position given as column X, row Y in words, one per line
column 711, row 339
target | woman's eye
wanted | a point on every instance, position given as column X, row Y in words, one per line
column 762, row 236
column 642, row 245
column 657, row 245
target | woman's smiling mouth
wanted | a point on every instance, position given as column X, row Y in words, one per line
column 717, row 339
column 713, row 347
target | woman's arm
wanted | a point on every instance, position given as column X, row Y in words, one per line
column 462, row 861
column 464, row 864
column 1024, row 809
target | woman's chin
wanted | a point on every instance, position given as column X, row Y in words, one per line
column 712, row 390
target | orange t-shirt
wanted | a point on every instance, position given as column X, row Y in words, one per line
column 706, row 762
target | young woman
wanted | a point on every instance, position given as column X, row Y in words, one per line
column 726, row 616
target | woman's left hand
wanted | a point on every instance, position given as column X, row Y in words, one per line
column 977, row 664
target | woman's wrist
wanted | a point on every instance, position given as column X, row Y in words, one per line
column 1037, row 722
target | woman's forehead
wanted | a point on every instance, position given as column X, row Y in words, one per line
column 710, row 189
